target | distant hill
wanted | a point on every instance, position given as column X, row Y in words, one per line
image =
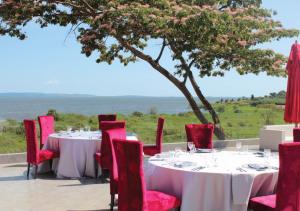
column 41, row 95
column 54, row 95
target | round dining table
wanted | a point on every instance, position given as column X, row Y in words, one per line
column 213, row 180
column 77, row 150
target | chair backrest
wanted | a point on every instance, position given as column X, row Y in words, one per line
column 106, row 117
column 108, row 136
column 131, row 177
column 105, row 151
column 296, row 134
column 200, row 134
column 46, row 128
column 288, row 186
column 159, row 133
column 107, row 125
column 31, row 141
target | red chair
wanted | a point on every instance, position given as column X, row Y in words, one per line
column 106, row 117
column 46, row 128
column 103, row 157
column 200, row 134
column 108, row 137
column 155, row 149
column 296, row 134
column 287, row 197
column 133, row 195
column 35, row 156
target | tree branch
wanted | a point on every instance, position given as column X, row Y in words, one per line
column 169, row 76
column 161, row 50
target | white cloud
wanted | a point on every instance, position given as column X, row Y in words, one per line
column 52, row 82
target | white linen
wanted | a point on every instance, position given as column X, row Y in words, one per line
column 77, row 150
column 220, row 186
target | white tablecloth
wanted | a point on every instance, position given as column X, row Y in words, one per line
column 77, row 151
column 220, row 186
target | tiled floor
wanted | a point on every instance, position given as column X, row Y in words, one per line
column 48, row 193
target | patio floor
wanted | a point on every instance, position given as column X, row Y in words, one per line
column 48, row 193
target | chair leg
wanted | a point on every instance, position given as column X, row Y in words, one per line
column 35, row 172
column 112, row 202
column 96, row 170
column 28, row 170
column 50, row 163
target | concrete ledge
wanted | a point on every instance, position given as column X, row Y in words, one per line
column 13, row 158
column 224, row 144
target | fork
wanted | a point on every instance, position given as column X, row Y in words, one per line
column 241, row 169
column 198, row 168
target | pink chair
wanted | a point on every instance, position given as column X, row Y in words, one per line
column 287, row 197
column 106, row 117
column 200, row 134
column 296, row 134
column 103, row 157
column 46, row 128
column 108, row 137
column 133, row 195
column 155, row 149
column 35, row 156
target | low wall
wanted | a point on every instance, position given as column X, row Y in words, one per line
column 224, row 144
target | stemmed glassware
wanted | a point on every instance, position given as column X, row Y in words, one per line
column 238, row 146
column 267, row 155
column 191, row 147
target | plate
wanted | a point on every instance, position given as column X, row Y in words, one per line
column 183, row 164
column 203, row 150
column 258, row 167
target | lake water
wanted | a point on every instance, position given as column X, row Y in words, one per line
column 19, row 107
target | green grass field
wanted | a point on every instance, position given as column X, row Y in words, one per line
column 239, row 120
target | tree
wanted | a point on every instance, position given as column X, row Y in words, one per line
column 205, row 37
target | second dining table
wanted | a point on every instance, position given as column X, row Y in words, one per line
column 213, row 180
column 77, row 149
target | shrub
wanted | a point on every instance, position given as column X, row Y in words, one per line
column 137, row 114
column 229, row 124
column 153, row 110
column 242, row 124
column 54, row 113
column 237, row 111
column 220, row 109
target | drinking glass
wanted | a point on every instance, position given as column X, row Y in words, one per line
column 245, row 149
column 177, row 151
column 191, row 147
column 238, row 145
column 267, row 155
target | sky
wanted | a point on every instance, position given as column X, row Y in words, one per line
column 49, row 61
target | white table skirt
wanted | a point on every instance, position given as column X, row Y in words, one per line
column 220, row 187
column 77, row 152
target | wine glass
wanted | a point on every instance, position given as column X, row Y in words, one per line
column 238, row 145
column 69, row 129
column 191, row 147
column 267, row 155
column 177, row 151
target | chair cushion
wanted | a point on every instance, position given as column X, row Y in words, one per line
column 47, row 155
column 158, row 201
column 98, row 157
column 150, row 150
column 263, row 203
